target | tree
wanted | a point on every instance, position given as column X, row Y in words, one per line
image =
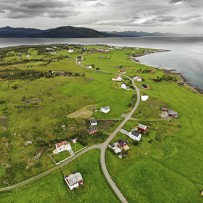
column 135, row 142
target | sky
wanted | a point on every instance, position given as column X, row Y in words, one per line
column 176, row 16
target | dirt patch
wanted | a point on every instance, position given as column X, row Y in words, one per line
column 84, row 112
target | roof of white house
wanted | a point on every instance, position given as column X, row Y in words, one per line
column 74, row 178
column 144, row 97
column 142, row 126
column 106, row 108
column 93, row 121
column 136, row 134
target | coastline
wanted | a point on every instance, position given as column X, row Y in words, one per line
column 134, row 59
column 185, row 82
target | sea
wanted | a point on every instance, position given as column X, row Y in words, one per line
column 185, row 55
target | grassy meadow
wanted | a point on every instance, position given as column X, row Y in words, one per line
column 165, row 167
column 52, row 188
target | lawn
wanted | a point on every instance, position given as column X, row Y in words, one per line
column 168, row 169
column 52, row 188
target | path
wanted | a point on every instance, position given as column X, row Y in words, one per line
column 103, row 150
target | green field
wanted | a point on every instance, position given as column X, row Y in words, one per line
column 45, row 108
column 168, row 169
column 52, row 188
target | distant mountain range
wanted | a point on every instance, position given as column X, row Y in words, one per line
column 69, row 32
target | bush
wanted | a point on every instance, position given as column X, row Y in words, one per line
column 158, row 137
column 135, row 142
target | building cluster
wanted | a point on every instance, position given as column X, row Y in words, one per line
column 120, row 147
column 165, row 113
column 93, row 127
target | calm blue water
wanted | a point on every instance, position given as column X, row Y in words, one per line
column 186, row 55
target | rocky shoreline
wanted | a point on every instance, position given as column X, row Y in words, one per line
column 168, row 71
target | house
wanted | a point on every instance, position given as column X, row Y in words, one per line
column 105, row 109
column 70, row 51
column 93, row 122
column 172, row 113
column 122, row 144
column 115, row 148
column 145, row 86
column 49, row 49
column 74, row 180
column 89, row 67
column 144, row 97
column 118, row 78
column 135, row 135
column 124, row 86
column 137, row 78
column 164, row 108
column 92, row 129
column 122, row 72
column 119, row 145
column 142, row 128
column 62, row 146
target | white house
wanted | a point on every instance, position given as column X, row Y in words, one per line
column 134, row 135
column 115, row 148
column 89, row 67
column 93, row 122
column 118, row 78
column 70, row 51
column 74, row 180
column 105, row 109
column 137, row 78
column 124, row 86
column 49, row 49
column 62, row 146
column 144, row 97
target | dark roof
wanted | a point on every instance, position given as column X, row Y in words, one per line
column 122, row 142
column 93, row 121
column 145, row 85
column 136, row 134
column 112, row 145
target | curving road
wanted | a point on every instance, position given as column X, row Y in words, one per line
column 105, row 144
column 102, row 147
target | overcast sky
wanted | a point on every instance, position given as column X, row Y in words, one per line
column 180, row 16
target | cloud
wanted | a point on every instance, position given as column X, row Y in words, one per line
column 155, row 15
column 30, row 8
column 176, row 1
column 98, row 4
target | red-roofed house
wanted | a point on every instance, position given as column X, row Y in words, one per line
column 142, row 128
column 122, row 72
